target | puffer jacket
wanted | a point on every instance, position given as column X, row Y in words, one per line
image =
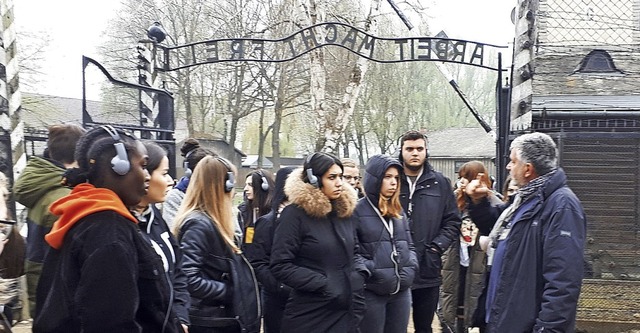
column 222, row 284
column 313, row 250
column 434, row 221
column 387, row 260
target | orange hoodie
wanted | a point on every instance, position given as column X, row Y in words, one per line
column 83, row 200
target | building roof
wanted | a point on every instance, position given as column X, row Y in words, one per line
column 40, row 111
column 251, row 161
column 468, row 142
column 586, row 102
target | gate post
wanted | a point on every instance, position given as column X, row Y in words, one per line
column 12, row 154
column 523, row 57
column 146, row 77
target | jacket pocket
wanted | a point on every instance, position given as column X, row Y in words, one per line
column 430, row 265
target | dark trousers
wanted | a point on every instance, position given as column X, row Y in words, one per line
column 386, row 314
column 272, row 311
column 424, row 303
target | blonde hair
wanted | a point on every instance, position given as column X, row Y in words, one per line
column 206, row 193
column 391, row 207
column 349, row 163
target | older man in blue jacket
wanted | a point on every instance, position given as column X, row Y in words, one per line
column 536, row 247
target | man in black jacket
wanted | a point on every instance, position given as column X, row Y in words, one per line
column 427, row 199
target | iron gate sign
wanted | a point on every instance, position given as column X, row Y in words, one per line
column 378, row 49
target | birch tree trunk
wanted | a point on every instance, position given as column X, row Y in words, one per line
column 336, row 122
column 313, row 12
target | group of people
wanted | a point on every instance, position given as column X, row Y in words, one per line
column 317, row 248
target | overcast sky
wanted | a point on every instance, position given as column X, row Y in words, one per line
column 75, row 28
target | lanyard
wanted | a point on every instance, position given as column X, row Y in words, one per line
column 412, row 185
column 412, row 189
column 387, row 225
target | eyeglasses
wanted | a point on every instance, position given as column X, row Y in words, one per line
column 356, row 178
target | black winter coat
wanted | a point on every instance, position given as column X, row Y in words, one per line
column 259, row 254
column 313, row 252
column 434, row 220
column 223, row 288
column 104, row 257
column 389, row 263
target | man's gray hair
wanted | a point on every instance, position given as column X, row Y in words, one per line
column 538, row 149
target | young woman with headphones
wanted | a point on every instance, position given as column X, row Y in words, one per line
column 274, row 292
column 157, row 232
column 313, row 249
column 100, row 274
column 222, row 284
column 258, row 192
column 386, row 256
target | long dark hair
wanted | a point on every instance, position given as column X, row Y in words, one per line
column 319, row 163
column 262, row 199
column 156, row 153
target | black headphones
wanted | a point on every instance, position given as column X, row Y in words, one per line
column 313, row 180
column 230, row 179
column 120, row 163
column 401, row 143
column 264, row 184
column 185, row 164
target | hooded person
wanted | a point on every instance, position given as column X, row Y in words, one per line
column 385, row 255
column 313, row 249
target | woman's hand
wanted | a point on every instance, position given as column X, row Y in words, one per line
column 477, row 188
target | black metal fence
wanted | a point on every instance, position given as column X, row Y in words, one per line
column 602, row 160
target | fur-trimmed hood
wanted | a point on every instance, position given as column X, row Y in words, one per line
column 314, row 202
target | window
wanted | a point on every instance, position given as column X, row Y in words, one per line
column 597, row 61
column 457, row 165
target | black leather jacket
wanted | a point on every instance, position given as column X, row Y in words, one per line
column 222, row 284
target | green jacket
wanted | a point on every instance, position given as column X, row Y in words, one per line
column 37, row 187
